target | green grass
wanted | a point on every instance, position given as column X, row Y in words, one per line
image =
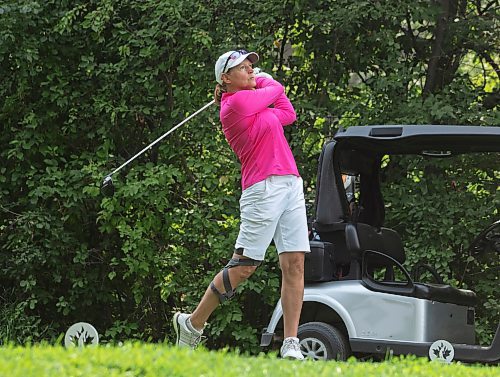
column 147, row 360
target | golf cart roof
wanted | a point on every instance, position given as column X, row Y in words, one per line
column 432, row 140
column 359, row 150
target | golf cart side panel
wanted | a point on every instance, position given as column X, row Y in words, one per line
column 390, row 317
column 393, row 317
column 446, row 321
column 311, row 296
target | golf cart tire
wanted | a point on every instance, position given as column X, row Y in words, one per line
column 322, row 341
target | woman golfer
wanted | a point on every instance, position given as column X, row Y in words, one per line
column 253, row 111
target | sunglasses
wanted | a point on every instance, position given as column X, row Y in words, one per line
column 235, row 55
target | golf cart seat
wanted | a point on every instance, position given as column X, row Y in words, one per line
column 383, row 249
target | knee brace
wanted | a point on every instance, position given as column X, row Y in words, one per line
column 229, row 291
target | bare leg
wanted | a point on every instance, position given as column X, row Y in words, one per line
column 210, row 300
column 292, row 290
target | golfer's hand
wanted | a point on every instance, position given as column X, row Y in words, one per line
column 259, row 73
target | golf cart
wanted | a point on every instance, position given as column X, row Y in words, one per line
column 359, row 299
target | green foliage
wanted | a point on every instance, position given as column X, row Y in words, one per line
column 86, row 84
column 18, row 326
column 158, row 360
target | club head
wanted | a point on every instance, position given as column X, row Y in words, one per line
column 107, row 187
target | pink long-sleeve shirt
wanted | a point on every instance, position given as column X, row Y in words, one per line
column 255, row 131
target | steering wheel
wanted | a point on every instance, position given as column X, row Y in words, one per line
column 487, row 241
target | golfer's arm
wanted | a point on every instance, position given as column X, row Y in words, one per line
column 250, row 102
column 284, row 110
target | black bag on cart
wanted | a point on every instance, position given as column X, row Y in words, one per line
column 319, row 262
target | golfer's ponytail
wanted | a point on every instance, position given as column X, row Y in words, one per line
column 219, row 90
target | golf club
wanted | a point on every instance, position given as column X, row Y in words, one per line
column 107, row 187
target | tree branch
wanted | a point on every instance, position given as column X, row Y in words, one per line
column 489, row 59
column 486, row 8
column 282, row 48
column 412, row 36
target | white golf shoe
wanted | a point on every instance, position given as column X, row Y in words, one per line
column 291, row 349
column 187, row 335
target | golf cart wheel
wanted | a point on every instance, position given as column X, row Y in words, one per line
column 322, row 341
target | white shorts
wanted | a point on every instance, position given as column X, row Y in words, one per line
column 273, row 209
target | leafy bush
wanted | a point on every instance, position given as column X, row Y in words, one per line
column 86, row 84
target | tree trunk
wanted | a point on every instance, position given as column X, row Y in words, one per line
column 435, row 71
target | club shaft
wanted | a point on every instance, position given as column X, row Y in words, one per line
column 160, row 138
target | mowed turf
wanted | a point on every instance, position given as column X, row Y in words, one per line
column 145, row 360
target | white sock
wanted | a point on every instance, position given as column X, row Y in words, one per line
column 191, row 327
